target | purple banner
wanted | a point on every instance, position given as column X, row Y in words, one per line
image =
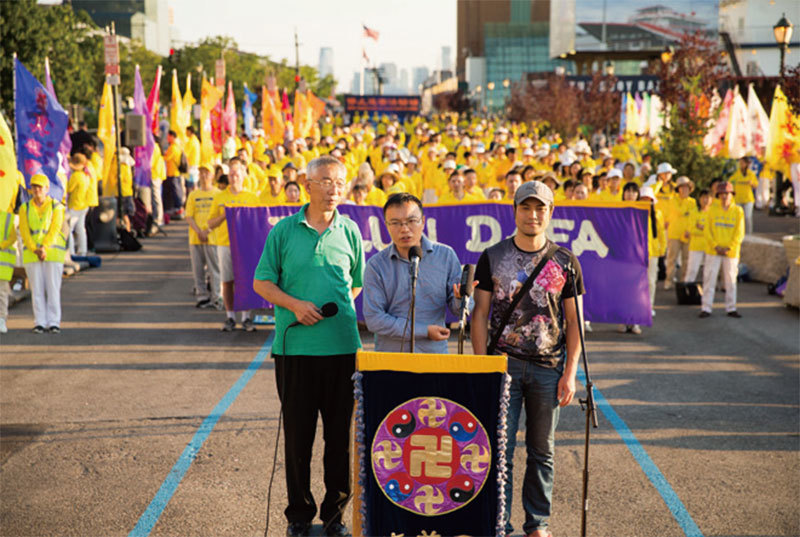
column 609, row 239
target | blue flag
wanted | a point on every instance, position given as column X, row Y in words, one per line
column 41, row 124
column 623, row 114
column 247, row 110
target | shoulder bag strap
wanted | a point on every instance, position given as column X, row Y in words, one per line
column 551, row 251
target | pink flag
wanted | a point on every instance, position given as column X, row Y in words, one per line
column 714, row 140
column 229, row 115
column 152, row 101
column 65, row 147
column 759, row 123
column 142, row 174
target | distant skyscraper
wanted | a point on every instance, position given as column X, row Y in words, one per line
column 355, row 86
column 418, row 77
column 447, row 64
column 149, row 21
column 370, row 85
column 389, row 74
column 325, row 62
column 402, row 83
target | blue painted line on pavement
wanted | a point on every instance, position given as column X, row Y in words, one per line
column 153, row 512
column 649, row 468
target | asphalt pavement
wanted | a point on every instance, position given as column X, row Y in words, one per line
column 143, row 417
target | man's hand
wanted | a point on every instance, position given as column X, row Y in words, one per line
column 566, row 389
column 438, row 333
column 306, row 312
column 41, row 252
column 686, row 235
column 203, row 235
column 721, row 250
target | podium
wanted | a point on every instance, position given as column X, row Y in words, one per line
column 430, row 444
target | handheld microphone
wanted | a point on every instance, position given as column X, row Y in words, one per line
column 467, row 279
column 414, row 255
column 328, row 309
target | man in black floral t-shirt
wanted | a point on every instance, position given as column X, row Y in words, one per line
column 541, row 339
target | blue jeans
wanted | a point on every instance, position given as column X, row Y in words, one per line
column 538, row 387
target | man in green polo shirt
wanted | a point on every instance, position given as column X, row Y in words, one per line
column 310, row 259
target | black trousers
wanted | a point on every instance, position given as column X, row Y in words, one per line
column 309, row 386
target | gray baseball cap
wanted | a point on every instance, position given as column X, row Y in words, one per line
column 534, row 189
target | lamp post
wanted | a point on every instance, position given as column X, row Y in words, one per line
column 783, row 35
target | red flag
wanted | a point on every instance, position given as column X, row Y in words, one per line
column 369, row 32
column 152, row 101
column 364, row 53
column 229, row 115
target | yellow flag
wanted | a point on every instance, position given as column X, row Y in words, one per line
column 106, row 130
column 303, row 115
column 271, row 118
column 8, row 167
column 209, row 97
column 783, row 141
column 188, row 102
column 176, row 114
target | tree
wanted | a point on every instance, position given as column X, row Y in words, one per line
column 55, row 31
column 687, row 80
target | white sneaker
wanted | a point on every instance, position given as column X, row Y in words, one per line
column 653, row 313
column 587, row 326
column 3, row 327
column 636, row 329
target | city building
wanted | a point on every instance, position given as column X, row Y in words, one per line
column 446, row 61
column 418, row 77
column 355, row 85
column 325, row 62
column 147, row 21
column 502, row 41
column 747, row 27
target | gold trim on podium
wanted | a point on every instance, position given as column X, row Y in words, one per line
column 430, row 363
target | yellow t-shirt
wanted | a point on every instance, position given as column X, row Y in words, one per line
column 266, row 198
column 126, row 178
column 376, row 197
column 226, row 198
column 198, row 207
column 743, row 186
column 78, row 191
column 681, row 211
column 449, row 198
column 193, row 151
column 697, row 227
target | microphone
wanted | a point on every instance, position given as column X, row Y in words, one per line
column 414, row 255
column 328, row 309
column 467, row 277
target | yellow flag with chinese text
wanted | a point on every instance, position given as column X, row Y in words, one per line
column 209, row 97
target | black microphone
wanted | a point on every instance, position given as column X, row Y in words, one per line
column 327, row 310
column 467, row 278
column 414, row 255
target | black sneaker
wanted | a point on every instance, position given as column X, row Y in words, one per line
column 38, row 329
column 202, row 303
column 336, row 529
column 248, row 326
column 55, row 330
column 229, row 326
column 735, row 314
column 704, row 314
column 298, row 529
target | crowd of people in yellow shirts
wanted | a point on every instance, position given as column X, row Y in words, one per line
column 443, row 160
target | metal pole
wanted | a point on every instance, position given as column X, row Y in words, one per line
column 783, row 56
column 117, row 141
column 296, row 61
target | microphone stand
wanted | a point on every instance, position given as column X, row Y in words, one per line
column 587, row 405
column 414, row 273
column 462, row 324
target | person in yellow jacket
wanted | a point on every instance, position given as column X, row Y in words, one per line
column 724, row 233
column 681, row 208
column 273, row 194
column 158, row 168
column 126, row 164
column 192, row 151
column 44, row 241
column 8, row 256
column 234, row 195
column 656, row 241
column 202, row 248
column 697, row 238
column 744, row 181
column 457, row 193
column 77, row 205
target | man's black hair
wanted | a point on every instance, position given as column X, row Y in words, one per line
column 401, row 198
column 172, row 132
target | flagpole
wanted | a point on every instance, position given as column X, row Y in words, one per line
column 117, row 141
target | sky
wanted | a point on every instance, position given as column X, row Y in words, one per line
column 412, row 32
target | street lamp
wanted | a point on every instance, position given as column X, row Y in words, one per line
column 490, row 86
column 783, row 35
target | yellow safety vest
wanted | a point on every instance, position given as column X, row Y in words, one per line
column 8, row 255
column 39, row 227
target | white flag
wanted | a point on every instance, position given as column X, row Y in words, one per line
column 759, row 123
column 738, row 135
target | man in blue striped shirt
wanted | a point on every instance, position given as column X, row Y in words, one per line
column 387, row 283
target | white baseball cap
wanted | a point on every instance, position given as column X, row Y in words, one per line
column 614, row 173
column 665, row 167
column 449, row 164
column 647, row 192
